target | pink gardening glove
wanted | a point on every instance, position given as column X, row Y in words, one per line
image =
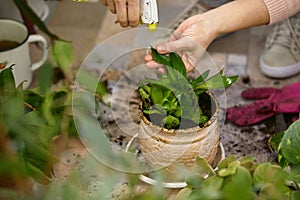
column 271, row 101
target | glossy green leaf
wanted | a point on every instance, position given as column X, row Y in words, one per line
column 217, row 81
column 266, row 173
column 290, row 145
column 160, row 58
column 177, row 63
column 238, row 185
column 200, row 78
column 203, row 167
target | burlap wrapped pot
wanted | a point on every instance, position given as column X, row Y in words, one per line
column 167, row 149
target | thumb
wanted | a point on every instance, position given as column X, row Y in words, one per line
column 184, row 43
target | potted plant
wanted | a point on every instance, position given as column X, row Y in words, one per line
column 179, row 116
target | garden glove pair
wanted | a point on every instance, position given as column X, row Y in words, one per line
column 270, row 101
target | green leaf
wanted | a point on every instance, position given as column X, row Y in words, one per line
column 203, row 167
column 33, row 118
column 171, row 122
column 7, row 82
column 45, row 78
column 295, row 173
column 290, row 145
column 145, row 98
column 157, row 95
column 202, row 119
column 62, row 52
column 160, row 58
column 214, row 183
column 154, row 111
column 295, row 195
column 275, row 141
column 239, row 185
column 34, row 18
column 39, row 156
column 200, row 78
column 33, row 99
column 267, row 173
column 230, row 170
column 217, row 81
column 225, row 163
column 194, row 180
column 177, row 64
column 183, row 194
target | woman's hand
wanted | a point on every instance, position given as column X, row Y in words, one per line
column 194, row 35
column 189, row 40
column 128, row 11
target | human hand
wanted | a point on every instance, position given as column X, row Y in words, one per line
column 271, row 101
column 128, row 11
column 189, row 40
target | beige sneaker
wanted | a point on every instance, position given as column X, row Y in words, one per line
column 281, row 55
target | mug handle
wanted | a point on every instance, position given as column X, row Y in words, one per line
column 43, row 41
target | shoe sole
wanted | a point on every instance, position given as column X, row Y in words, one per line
column 279, row 72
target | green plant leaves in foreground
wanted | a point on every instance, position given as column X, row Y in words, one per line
column 290, row 145
column 238, row 179
column 30, row 120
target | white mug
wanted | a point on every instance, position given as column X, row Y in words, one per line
column 19, row 54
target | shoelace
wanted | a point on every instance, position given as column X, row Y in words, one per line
column 293, row 31
column 285, row 33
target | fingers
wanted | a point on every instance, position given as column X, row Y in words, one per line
column 133, row 8
column 104, row 2
column 128, row 11
column 111, row 6
column 183, row 44
column 121, row 11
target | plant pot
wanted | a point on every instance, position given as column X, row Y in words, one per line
column 177, row 149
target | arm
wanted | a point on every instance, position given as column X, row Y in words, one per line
column 196, row 33
column 281, row 9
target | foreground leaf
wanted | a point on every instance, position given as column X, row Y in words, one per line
column 290, row 145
